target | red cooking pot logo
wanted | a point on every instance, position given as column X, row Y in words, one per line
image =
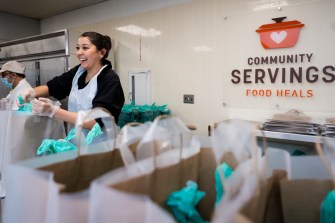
column 280, row 34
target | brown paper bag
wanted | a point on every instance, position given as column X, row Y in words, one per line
column 301, row 199
column 159, row 184
column 265, row 206
column 72, row 172
column 273, row 211
column 206, row 182
column 40, row 177
column 77, row 174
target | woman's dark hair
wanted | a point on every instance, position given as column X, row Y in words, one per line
column 100, row 41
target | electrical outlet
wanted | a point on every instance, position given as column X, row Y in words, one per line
column 189, row 98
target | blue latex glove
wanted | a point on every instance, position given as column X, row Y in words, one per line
column 183, row 202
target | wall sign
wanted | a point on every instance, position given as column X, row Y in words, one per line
column 295, row 68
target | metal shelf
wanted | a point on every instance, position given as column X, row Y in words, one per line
column 288, row 136
column 50, row 45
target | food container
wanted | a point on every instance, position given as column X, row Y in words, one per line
column 279, row 34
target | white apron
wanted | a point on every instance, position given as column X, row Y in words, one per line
column 81, row 99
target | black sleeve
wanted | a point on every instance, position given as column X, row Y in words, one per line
column 60, row 86
column 110, row 94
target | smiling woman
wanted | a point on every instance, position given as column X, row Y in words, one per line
column 93, row 83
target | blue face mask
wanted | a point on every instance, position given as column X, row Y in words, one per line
column 6, row 83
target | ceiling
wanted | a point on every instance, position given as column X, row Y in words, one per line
column 41, row 9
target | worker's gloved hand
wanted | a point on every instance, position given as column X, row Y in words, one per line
column 26, row 96
column 45, row 107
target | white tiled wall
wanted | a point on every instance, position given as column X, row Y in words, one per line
column 192, row 48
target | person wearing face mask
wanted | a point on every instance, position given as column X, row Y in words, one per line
column 12, row 77
column 92, row 83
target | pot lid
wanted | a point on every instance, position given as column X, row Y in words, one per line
column 279, row 25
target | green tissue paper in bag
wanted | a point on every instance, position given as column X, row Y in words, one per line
column 27, row 107
column 147, row 114
column 164, row 110
column 183, row 202
column 328, row 208
column 141, row 113
column 227, row 171
column 20, row 100
column 95, row 132
column 71, row 135
column 51, row 146
column 126, row 115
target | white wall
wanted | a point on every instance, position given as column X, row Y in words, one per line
column 192, row 48
column 16, row 27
